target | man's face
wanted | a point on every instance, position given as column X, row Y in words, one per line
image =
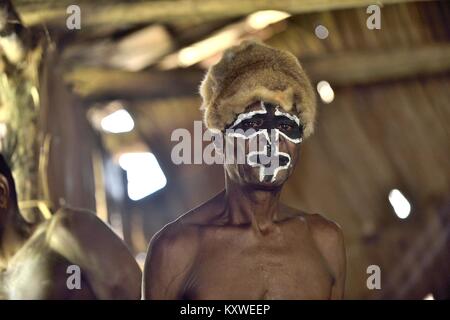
column 265, row 141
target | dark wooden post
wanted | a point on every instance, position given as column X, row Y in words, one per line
column 20, row 104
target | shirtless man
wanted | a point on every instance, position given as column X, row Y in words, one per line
column 244, row 243
column 35, row 260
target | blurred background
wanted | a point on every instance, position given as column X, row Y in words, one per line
column 88, row 107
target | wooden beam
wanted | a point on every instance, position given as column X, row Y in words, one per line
column 96, row 84
column 342, row 69
column 130, row 53
column 103, row 12
column 349, row 68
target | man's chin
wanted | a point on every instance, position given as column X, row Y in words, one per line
column 267, row 186
column 268, row 183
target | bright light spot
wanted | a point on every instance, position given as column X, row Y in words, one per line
column 116, row 224
column 188, row 56
column 144, row 174
column 325, row 91
column 261, row 19
column 207, row 48
column 35, row 95
column 117, row 122
column 400, row 204
column 321, row 32
column 429, row 297
column 140, row 259
column 3, row 130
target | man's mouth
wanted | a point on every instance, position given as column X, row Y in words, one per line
column 267, row 161
column 283, row 160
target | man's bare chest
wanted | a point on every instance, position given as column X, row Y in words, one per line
column 241, row 268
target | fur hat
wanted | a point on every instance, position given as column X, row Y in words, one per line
column 250, row 72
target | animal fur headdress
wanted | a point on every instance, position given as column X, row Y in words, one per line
column 250, row 72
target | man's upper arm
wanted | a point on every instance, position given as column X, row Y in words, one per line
column 169, row 260
column 338, row 259
column 330, row 240
column 103, row 258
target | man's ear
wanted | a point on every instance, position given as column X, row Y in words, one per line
column 4, row 192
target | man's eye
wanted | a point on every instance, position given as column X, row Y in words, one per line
column 252, row 123
column 285, row 127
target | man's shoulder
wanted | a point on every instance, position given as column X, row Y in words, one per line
column 80, row 229
column 171, row 251
column 329, row 238
column 183, row 234
column 327, row 233
column 69, row 217
column 78, row 223
column 318, row 224
column 85, row 240
column 179, row 235
column 64, row 226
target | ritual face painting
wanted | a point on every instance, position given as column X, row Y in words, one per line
column 269, row 139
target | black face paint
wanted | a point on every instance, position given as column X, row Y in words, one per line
column 271, row 118
column 271, row 123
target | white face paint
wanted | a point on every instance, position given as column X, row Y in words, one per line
column 274, row 167
column 248, row 115
column 272, row 140
column 291, row 117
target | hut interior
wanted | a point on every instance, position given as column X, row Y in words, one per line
column 89, row 112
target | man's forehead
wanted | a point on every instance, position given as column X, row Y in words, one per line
column 268, row 107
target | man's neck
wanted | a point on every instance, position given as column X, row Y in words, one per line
column 12, row 239
column 249, row 205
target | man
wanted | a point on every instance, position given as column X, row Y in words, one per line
column 244, row 243
column 71, row 256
